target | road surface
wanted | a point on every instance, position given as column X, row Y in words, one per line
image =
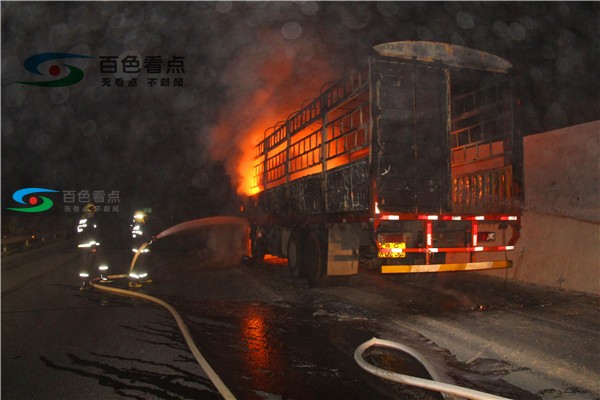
column 270, row 337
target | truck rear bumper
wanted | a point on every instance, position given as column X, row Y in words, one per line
column 471, row 266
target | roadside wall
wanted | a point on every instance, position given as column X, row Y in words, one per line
column 560, row 236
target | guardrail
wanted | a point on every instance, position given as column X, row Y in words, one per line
column 21, row 243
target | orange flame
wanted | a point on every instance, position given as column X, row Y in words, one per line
column 266, row 88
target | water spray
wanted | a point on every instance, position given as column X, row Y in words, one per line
column 195, row 223
column 201, row 222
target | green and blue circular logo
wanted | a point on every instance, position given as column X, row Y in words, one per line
column 33, row 202
column 53, row 69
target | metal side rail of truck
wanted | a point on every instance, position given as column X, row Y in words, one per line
column 411, row 163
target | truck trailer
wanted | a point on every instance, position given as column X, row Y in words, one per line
column 409, row 163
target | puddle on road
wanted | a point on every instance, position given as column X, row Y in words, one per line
column 396, row 361
column 284, row 351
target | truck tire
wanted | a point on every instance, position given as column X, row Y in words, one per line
column 315, row 259
column 367, row 258
column 294, row 252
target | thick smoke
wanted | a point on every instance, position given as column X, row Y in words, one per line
column 266, row 79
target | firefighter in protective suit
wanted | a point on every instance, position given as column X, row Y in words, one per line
column 88, row 243
column 139, row 236
column 139, row 231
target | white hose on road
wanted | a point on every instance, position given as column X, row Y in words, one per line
column 212, row 375
column 428, row 384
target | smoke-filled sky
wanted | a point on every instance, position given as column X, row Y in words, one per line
column 239, row 67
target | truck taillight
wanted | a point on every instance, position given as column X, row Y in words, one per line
column 506, row 247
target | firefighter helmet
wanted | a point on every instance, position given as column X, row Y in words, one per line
column 140, row 217
column 89, row 209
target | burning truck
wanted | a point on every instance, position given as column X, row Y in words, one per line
column 410, row 163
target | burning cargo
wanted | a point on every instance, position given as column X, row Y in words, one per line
column 412, row 160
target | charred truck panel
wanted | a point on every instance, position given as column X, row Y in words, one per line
column 412, row 164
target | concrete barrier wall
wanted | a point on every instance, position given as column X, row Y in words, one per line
column 560, row 242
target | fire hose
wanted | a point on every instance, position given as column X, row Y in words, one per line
column 435, row 384
column 212, row 375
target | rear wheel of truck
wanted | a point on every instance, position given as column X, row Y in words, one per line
column 315, row 259
column 367, row 258
column 294, row 252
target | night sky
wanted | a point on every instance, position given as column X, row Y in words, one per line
column 174, row 148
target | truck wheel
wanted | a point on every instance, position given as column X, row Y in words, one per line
column 295, row 256
column 315, row 257
column 367, row 258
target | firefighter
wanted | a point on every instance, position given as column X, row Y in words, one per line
column 88, row 243
column 139, row 235
column 139, row 230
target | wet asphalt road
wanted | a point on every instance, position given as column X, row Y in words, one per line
column 62, row 343
column 270, row 337
column 59, row 342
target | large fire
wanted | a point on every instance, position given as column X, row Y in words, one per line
column 245, row 165
column 267, row 83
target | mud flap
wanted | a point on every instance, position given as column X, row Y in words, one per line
column 342, row 250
